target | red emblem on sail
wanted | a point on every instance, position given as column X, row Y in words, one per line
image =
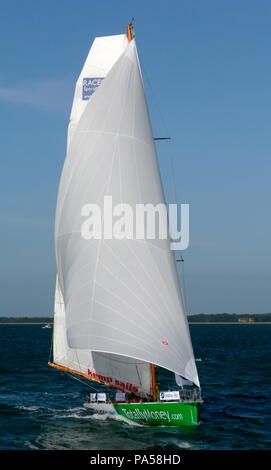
column 165, row 343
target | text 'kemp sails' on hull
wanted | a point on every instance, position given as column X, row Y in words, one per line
column 118, row 308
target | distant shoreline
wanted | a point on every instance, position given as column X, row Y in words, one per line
column 194, row 319
column 190, row 323
column 25, row 323
column 229, row 323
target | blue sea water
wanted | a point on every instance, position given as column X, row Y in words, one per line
column 41, row 408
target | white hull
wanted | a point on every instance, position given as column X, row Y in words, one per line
column 101, row 407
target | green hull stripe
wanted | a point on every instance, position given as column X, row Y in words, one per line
column 157, row 414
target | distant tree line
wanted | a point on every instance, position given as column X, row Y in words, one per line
column 26, row 319
column 201, row 317
column 228, row 317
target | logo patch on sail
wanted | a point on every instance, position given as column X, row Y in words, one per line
column 89, row 86
column 165, row 342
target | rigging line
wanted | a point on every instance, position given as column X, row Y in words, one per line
column 154, row 96
column 167, row 133
column 183, row 289
column 175, row 195
column 175, row 191
column 51, row 345
column 163, row 138
column 81, row 381
column 162, row 120
column 163, row 124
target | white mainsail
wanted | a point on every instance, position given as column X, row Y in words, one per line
column 103, row 54
column 121, row 296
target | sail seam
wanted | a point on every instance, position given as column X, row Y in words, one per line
column 126, row 136
column 151, row 280
column 108, row 182
column 116, row 311
column 142, row 287
column 120, row 299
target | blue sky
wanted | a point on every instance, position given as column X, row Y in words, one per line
column 207, row 76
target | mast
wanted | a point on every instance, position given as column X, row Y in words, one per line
column 130, row 32
column 153, row 382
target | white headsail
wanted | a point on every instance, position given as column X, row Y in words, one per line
column 110, row 369
column 121, row 296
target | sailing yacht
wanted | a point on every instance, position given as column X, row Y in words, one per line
column 119, row 314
